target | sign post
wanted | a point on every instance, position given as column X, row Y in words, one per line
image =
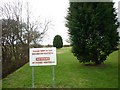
column 32, row 77
column 52, row 76
column 42, row 57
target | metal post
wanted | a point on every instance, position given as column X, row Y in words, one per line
column 32, row 76
column 53, row 76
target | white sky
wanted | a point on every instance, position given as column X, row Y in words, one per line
column 54, row 10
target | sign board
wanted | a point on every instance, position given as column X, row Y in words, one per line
column 42, row 56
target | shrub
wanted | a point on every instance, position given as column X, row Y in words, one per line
column 57, row 42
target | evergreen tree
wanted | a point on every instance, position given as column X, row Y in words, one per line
column 57, row 42
column 93, row 30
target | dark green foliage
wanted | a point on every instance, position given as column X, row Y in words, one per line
column 93, row 30
column 57, row 42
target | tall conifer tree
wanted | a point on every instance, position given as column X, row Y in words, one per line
column 93, row 30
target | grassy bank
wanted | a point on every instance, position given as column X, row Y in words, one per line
column 69, row 73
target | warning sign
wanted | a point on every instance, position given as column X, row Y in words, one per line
column 42, row 56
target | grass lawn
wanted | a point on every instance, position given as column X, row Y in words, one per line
column 69, row 73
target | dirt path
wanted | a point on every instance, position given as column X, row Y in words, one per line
column 59, row 52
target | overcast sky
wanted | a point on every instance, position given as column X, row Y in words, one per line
column 54, row 10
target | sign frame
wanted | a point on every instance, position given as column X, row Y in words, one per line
column 42, row 56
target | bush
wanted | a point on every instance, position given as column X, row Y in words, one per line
column 12, row 61
column 66, row 45
column 57, row 42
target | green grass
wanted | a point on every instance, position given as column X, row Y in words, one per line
column 69, row 73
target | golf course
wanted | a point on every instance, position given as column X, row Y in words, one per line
column 69, row 73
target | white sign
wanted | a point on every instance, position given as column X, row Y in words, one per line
column 42, row 56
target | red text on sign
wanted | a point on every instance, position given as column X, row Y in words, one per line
column 42, row 58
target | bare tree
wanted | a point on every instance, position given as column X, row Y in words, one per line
column 15, row 11
column 18, row 32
